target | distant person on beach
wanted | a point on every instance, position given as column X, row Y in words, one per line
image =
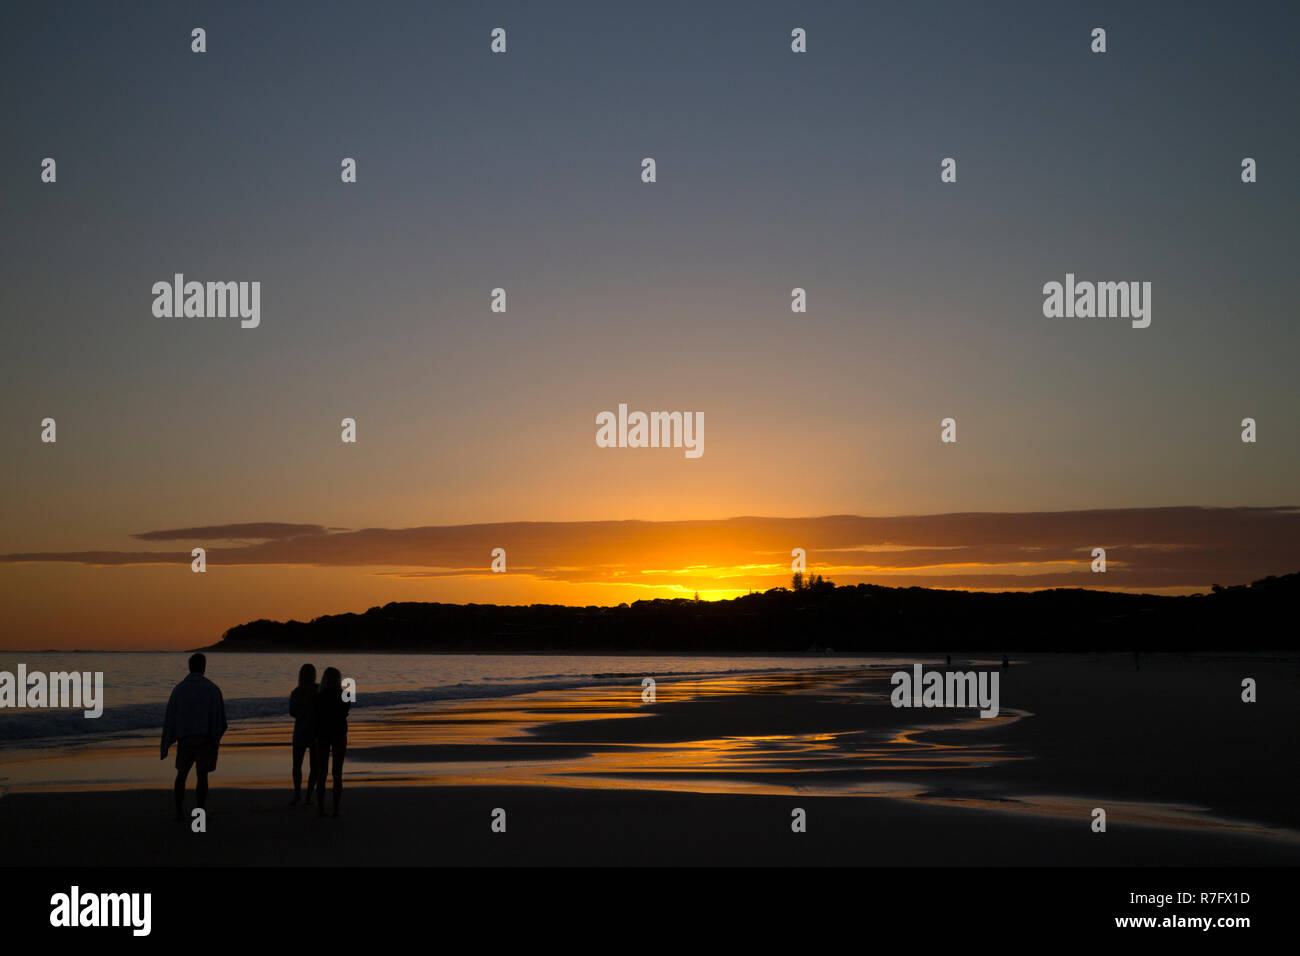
column 331, row 734
column 302, row 708
column 195, row 722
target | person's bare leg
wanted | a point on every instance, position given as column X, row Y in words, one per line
column 312, row 771
column 297, row 774
column 201, row 787
column 320, row 779
column 179, row 790
column 340, row 751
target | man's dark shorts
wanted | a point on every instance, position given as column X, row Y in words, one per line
column 200, row 749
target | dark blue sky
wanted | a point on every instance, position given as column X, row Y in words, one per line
column 522, row 171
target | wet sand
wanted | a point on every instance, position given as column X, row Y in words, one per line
column 709, row 773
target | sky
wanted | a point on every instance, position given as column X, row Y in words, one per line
column 522, row 171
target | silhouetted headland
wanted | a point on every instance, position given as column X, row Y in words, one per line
column 859, row 618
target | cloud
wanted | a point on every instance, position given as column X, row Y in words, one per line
column 1185, row 547
column 253, row 531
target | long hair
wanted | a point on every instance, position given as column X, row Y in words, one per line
column 307, row 677
column 331, row 680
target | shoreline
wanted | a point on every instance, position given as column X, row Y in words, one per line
column 503, row 688
column 1167, row 750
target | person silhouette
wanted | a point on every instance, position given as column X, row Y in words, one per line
column 331, row 735
column 302, row 708
column 195, row 721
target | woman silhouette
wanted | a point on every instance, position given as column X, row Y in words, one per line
column 302, row 708
column 331, row 734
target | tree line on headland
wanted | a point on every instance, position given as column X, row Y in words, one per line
column 815, row 615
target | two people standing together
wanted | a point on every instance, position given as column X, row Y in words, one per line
column 320, row 728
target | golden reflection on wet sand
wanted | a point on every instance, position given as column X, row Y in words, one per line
column 256, row 754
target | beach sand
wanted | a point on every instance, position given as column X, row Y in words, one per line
column 451, row 826
column 710, row 773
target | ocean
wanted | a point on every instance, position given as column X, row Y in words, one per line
column 257, row 685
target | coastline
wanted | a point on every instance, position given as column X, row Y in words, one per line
column 710, row 771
